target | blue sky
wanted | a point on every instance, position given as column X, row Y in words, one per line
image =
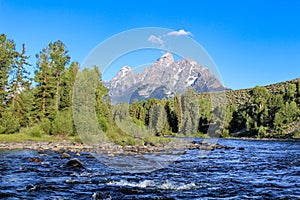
column 252, row 42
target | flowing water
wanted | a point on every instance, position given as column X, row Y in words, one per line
column 252, row 170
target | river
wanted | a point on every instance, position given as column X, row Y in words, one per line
column 252, row 170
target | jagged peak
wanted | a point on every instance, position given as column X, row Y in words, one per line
column 167, row 57
column 123, row 72
column 125, row 68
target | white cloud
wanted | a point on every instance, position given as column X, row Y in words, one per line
column 179, row 33
column 155, row 39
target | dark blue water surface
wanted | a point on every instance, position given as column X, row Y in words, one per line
column 262, row 170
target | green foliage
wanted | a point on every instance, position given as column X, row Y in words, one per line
column 45, row 126
column 63, row 123
column 218, row 119
column 157, row 140
column 287, row 114
column 103, row 124
column 44, row 92
column 35, row 131
column 205, row 112
column 292, row 91
column 137, row 122
column 8, row 57
column 67, row 86
column 225, row 133
column 296, row 134
column 20, row 78
column 9, row 122
column 262, row 131
column 190, row 113
column 158, row 119
column 131, row 128
column 255, row 118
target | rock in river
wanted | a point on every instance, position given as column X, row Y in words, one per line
column 65, row 155
column 75, row 163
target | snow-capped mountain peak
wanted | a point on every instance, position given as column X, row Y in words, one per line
column 166, row 58
column 123, row 72
column 163, row 79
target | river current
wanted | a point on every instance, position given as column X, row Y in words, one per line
column 252, row 170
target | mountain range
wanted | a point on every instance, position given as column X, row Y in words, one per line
column 162, row 79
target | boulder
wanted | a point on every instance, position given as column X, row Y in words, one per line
column 75, row 163
column 65, row 155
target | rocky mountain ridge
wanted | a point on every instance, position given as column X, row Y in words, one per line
column 162, row 79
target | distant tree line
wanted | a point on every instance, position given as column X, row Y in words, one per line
column 42, row 103
column 266, row 114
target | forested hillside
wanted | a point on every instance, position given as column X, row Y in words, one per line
column 263, row 111
column 42, row 103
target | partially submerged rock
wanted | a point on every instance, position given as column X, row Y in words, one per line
column 36, row 160
column 75, row 163
column 65, row 155
column 204, row 145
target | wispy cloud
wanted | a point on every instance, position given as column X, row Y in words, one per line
column 179, row 33
column 160, row 39
column 156, row 40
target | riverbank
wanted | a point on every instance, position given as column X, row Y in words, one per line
column 110, row 148
column 265, row 139
column 61, row 145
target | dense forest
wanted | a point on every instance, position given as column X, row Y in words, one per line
column 42, row 103
column 261, row 112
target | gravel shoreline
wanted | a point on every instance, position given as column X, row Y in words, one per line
column 108, row 148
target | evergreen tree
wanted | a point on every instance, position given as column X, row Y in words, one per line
column 134, row 109
column 8, row 57
column 121, row 112
column 59, row 58
column 67, row 86
column 86, row 111
column 147, row 106
column 186, row 127
column 20, row 79
column 190, row 112
column 291, row 92
column 176, row 114
column 205, row 113
column 44, row 91
column 258, row 112
column 169, row 108
column 142, row 114
column 287, row 114
column 228, row 118
column 274, row 104
column 158, row 119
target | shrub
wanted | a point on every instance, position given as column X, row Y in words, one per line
column 45, row 126
column 225, row 133
column 35, row 131
column 63, row 123
column 103, row 124
column 262, row 131
column 296, row 134
column 9, row 123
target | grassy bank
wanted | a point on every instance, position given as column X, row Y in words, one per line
column 22, row 137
